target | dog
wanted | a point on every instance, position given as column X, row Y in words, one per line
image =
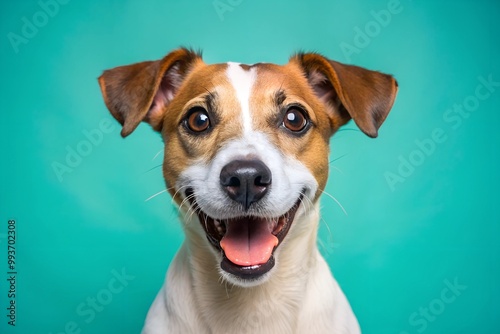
column 246, row 160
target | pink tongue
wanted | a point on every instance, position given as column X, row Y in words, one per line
column 248, row 242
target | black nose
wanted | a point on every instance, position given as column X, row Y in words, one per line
column 245, row 181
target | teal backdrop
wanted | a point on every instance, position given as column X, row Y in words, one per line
column 419, row 248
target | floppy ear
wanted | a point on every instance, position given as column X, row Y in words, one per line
column 350, row 91
column 140, row 92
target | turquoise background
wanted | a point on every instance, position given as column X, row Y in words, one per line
column 395, row 251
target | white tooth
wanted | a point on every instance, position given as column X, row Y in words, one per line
column 218, row 225
column 275, row 224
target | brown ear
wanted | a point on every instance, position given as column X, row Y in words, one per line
column 140, row 92
column 350, row 91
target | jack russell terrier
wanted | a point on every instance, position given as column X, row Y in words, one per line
column 246, row 160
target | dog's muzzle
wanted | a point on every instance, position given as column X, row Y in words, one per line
column 246, row 242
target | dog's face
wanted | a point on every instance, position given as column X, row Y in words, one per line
column 246, row 147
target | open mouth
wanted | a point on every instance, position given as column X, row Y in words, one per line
column 247, row 243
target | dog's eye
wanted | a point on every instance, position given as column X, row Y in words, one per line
column 295, row 119
column 198, row 120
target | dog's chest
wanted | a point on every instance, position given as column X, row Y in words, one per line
column 259, row 312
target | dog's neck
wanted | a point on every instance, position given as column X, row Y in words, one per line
column 221, row 301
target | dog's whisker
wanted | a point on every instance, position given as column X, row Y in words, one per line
column 185, row 200
column 338, row 158
column 225, row 287
column 337, row 169
column 206, row 222
column 156, row 155
column 307, row 203
column 221, row 279
column 336, row 201
column 149, row 170
column 153, row 196
column 191, row 209
column 194, row 210
column 177, row 191
column 191, row 212
column 304, row 203
column 303, row 196
column 327, row 227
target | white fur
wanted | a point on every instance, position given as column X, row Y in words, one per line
column 301, row 296
column 242, row 82
column 298, row 295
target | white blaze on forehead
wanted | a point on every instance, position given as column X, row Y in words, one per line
column 242, row 82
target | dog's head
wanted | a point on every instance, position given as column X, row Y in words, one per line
column 246, row 146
